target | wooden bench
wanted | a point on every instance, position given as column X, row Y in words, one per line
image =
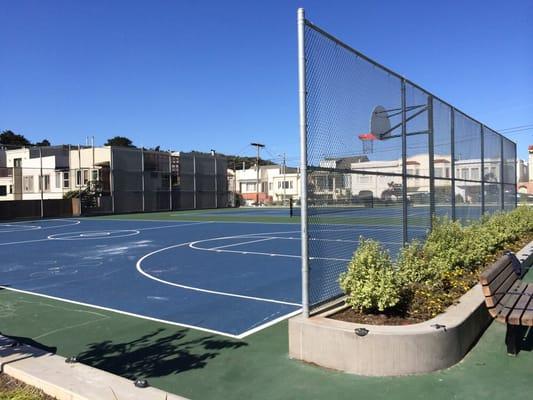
column 508, row 299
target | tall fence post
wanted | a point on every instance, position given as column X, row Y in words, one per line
column 404, row 164
column 482, row 168
column 142, row 180
column 502, row 172
column 303, row 161
column 216, row 183
column 194, row 181
column 170, row 207
column 41, row 180
column 112, row 180
column 452, row 159
column 431, row 156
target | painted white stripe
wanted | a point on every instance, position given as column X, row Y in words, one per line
column 24, row 241
column 38, row 227
column 123, row 312
column 173, row 226
column 267, row 324
column 240, row 243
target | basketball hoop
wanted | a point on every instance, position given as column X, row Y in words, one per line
column 368, row 142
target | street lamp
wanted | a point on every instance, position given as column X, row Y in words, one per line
column 258, row 146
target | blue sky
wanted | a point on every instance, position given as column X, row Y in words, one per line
column 219, row 74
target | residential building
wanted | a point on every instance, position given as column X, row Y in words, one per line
column 277, row 184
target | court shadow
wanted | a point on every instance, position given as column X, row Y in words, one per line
column 29, row 342
column 156, row 354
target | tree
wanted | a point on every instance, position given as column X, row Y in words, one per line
column 9, row 138
column 236, row 162
column 119, row 141
column 43, row 143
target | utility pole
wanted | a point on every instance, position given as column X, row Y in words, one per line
column 258, row 146
column 284, row 177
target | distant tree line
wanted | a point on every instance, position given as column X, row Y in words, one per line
column 11, row 139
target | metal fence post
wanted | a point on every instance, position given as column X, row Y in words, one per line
column 515, row 191
column 216, row 183
column 170, row 205
column 303, row 160
column 452, row 159
column 112, row 180
column 482, row 167
column 502, row 172
column 41, row 180
column 431, row 155
column 404, row 164
column 142, row 180
column 194, row 180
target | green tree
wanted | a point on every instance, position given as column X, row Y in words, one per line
column 43, row 143
column 10, row 138
column 120, row 141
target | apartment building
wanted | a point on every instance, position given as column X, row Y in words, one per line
column 277, row 184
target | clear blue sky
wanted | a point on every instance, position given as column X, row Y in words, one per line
column 218, row 74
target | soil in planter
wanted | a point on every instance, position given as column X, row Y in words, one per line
column 388, row 317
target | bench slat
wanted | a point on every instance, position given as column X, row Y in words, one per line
column 527, row 316
column 496, row 294
column 520, row 306
column 494, row 286
column 508, row 302
column 494, row 270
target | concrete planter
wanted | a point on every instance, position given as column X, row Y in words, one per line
column 394, row 350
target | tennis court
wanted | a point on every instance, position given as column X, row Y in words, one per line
column 231, row 278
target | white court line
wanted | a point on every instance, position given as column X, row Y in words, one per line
column 24, row 241
column 240, row 243
column 123, row 312
column 138, row 265
column 258, row 253
column 39, row 227
column 173, row 226
column 267, row 324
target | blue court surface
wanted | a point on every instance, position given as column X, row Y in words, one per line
column 230, row 278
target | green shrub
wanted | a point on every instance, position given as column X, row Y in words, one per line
column 370, row 281
column 427, row 277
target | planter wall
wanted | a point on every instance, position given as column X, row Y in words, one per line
column 394, row 350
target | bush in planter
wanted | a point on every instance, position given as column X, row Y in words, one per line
column 429, row 276
column 370, row 281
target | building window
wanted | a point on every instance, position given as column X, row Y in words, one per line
column 474, row 174
column 66, row 180
column 58, row 180
column 28, row 184
column 94, row 175
column 78, row 177
column 17, row 162
column 46, row 180
column 3, row 190
column 85, row 176
column 438, row 173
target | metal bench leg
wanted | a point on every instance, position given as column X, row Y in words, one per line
column 512, row 339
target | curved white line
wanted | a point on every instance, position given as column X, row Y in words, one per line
column 138, row 266
column 39, row 227
column 93, row 235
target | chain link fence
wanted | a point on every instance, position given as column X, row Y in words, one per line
column 383, row 156
column 61, row 181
